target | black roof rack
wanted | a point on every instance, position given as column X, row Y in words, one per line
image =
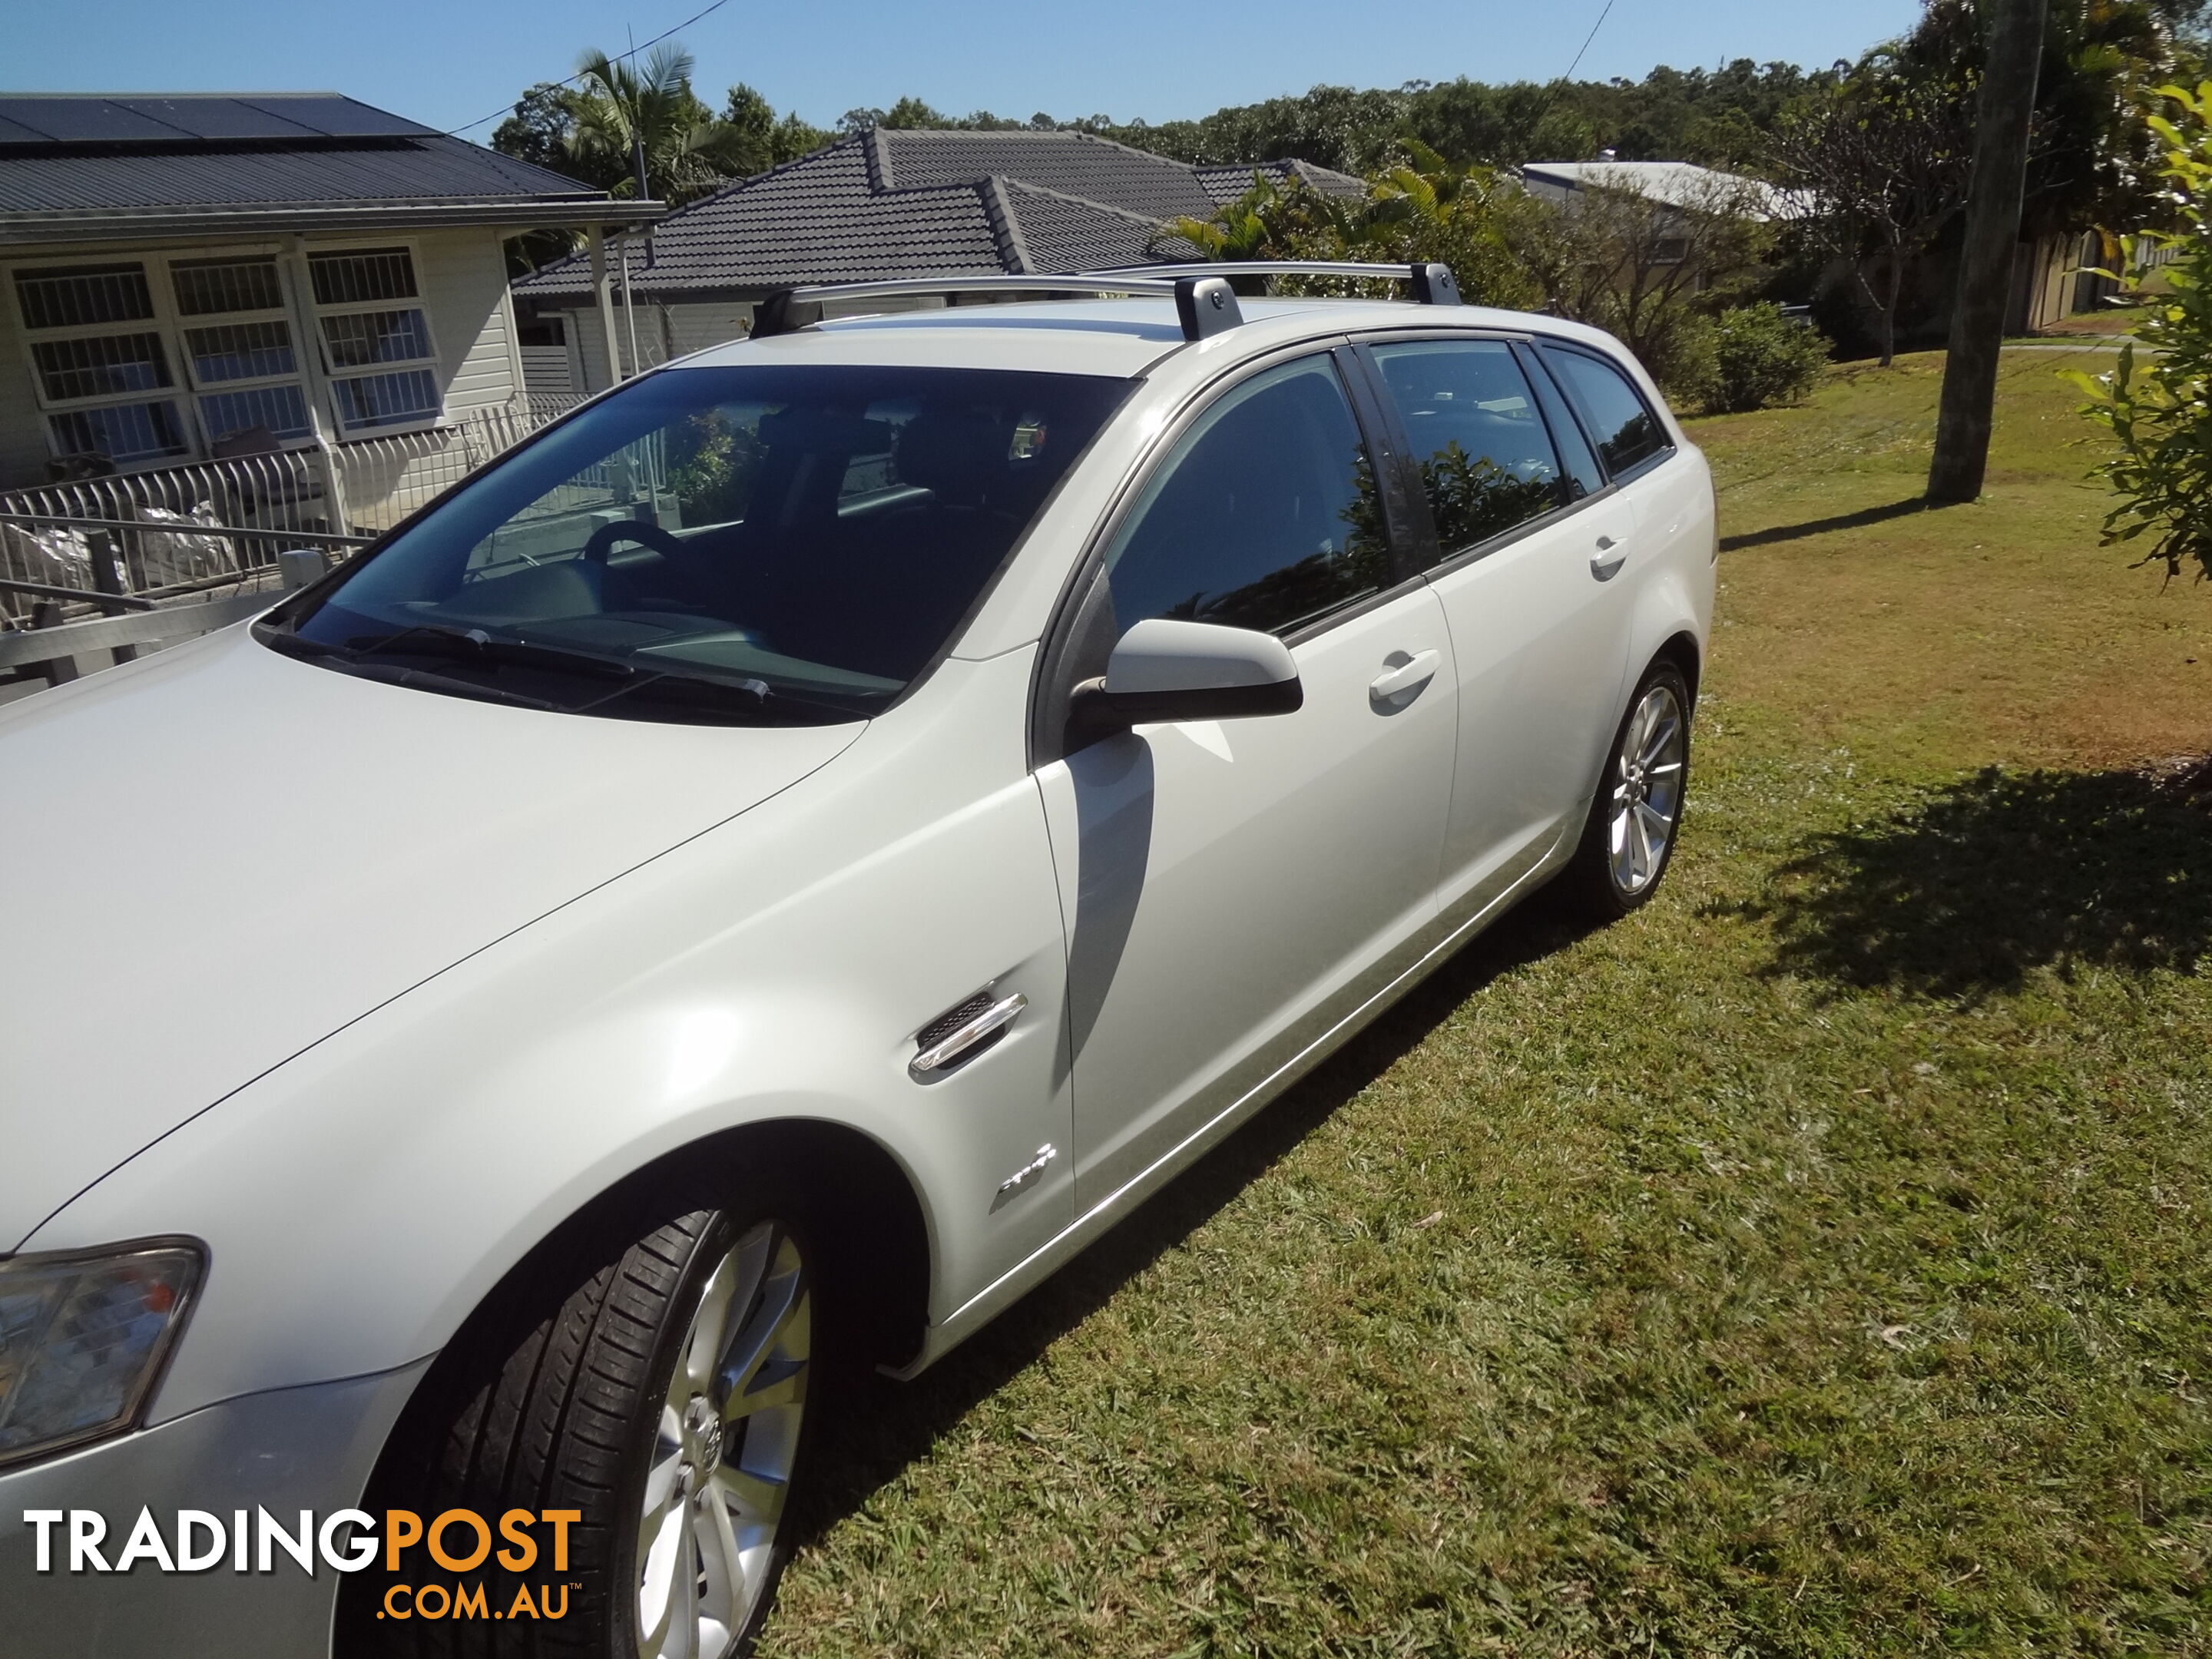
column 1205, row 304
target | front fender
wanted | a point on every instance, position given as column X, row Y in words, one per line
column 361, row 1200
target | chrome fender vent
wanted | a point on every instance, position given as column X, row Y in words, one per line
column 963, row 1031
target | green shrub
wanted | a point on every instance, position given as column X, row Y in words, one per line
column 1759, row 358
column 1678, row 349
column 2161, row 411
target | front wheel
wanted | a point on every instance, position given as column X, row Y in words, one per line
column 1629, row 837
column 660, row 1388
column 707, row 1540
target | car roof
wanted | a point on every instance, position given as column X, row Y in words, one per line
column 1118, row 338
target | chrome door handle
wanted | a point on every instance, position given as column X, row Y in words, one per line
column 963, row 1038
column 1409, row 676
column 1604, row 569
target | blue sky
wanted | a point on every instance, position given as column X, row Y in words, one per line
column 447, row 62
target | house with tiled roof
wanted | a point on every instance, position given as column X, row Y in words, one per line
column 190, row 278
column 884, row 204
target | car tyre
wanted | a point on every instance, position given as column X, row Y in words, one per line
column 1636, row 815
column 670, row 1400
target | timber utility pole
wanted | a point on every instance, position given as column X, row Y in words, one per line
column 2013, row 53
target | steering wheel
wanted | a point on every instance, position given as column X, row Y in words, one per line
column 632, row 530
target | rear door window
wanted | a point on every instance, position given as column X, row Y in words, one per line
column 1627, row 432
column 1266, row 516
column 1486, row 457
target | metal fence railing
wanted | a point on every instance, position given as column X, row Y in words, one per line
column 172, row 530
column 60, row 641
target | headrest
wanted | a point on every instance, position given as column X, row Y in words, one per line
column 959, row 453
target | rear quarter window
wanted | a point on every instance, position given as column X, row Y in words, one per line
column 1620, row 423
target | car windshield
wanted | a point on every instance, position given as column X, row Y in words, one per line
column 758, row 543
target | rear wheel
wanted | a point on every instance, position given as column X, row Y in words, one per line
column 1628, row 839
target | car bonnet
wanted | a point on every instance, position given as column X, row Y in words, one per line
column 221, row 855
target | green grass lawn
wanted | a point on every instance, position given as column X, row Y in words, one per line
column 1816, row 1262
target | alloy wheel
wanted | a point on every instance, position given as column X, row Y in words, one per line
column 724, row 1449
column 1646, row 803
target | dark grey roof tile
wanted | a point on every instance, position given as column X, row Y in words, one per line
column 889, row 203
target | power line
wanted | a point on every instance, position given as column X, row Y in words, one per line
column 623, row 57
column 1594, row 27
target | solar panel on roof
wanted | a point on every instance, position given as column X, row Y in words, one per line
column 218, row 117
column 82, row 119
column 185, row 119
column 339, row 118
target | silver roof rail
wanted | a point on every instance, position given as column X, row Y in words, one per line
column 1206, row 305
column 1433, row 284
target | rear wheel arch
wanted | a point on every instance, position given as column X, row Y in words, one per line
column 1681, row 651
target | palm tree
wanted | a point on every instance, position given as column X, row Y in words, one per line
column 621, row 109
column 1426, row 208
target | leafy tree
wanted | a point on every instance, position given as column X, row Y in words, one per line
column 1421, row 210
column 1648, row 271
column 1719, row 116
column 2091, row 160
column 1881, row 164
column 1473, row 218
column 761, row 140
column 2161, row 411
column 620, row 109
column 537, row 132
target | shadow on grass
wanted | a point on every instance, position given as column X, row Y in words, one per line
column 889, row 1425
column 1979, row 883
column 1794, row 532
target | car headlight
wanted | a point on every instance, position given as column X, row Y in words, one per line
column 83, row 1336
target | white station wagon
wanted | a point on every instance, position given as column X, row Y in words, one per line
column 750, row 883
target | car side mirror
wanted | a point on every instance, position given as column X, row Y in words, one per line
column 1163, row 669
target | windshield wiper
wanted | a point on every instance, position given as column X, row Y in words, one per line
column 337, row 657
column 686, row 685
column 475, row 645
column 698, row 688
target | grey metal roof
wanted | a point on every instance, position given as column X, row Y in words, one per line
column 889, row 203
column 1671, row 184
column 109, row 166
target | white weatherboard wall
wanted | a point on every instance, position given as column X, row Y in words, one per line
column 461, row 274
column 664, row 331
